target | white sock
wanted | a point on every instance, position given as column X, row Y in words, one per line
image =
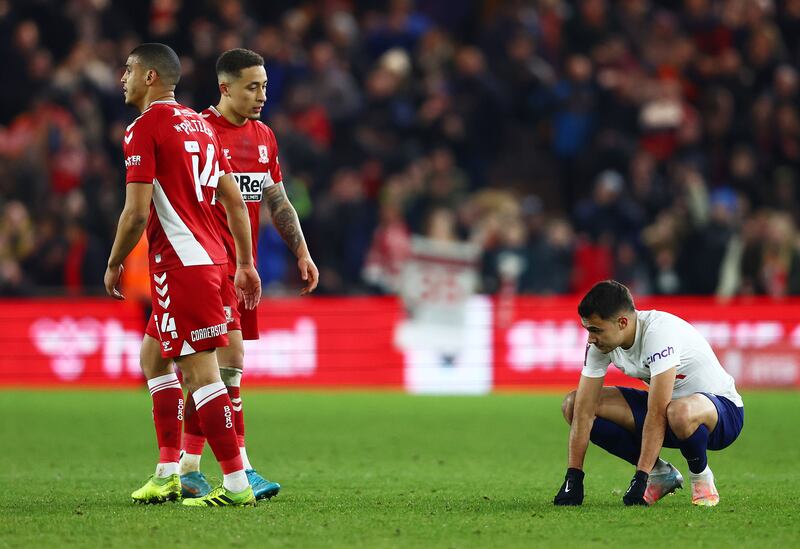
column 245, row 461
column 661, row 467
column 189, row 462
column 235, row 482
column 706, row 475
column 164, row 470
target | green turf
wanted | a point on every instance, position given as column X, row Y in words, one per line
column 379, row 470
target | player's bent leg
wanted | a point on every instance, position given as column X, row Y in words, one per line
column 614, row 426
column 685, row 415
column 692, row 419
column 612, row 406
column 617, row 431
column 215, row 411
column 168, row 407
column 231, row 363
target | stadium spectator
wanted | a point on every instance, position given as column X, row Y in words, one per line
column 442, row 101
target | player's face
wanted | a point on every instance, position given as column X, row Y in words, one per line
column 248, row 93
column 133, row 81
column 606, row 335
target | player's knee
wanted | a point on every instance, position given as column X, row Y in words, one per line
column 231, row 376
column 231, row 357
column 234, row 361
column 568, row 405
column 679, row 418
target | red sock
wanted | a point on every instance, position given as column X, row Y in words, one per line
column 193, row 438
column 215, row 411
column 168, row 411
column 238, row 413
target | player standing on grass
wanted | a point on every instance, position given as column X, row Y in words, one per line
column 174, row 165
column 692, row 403
column 252, row 151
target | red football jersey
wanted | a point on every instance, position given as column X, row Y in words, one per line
column 172, row 147
column 252, row 151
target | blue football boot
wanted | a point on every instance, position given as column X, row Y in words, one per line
column 194, row 485
column 659, row 485
column 262, row 488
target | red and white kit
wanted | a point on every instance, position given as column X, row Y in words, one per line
column 172, row 148
column 252, row 152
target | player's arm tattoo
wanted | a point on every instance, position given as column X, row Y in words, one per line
column 284, row 217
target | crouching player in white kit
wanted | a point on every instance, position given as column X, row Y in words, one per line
column 692, row 403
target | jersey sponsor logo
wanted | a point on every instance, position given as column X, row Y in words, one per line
column 227, row 153
column 133, row 160
column 209, row 331
column 664, row 353
column 263, row 154
column 251, row 185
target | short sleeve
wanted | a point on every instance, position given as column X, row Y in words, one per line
column 595, row 363
column 224, row 165
column 275, row 165
column 139, row 145
column 661, row 348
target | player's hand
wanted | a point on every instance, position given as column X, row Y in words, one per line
column 309, row 273
column 248, row 286
column 635, row 493
column 111, row 281
column 571, row 492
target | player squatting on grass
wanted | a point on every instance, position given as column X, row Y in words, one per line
column 692, row 403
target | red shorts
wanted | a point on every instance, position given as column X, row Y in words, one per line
column 238, row 317
column 188, row 313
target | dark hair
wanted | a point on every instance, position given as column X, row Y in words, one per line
column 606, row 299
column 233, row 61
column 162, row 59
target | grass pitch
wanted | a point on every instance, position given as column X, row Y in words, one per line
column 380, row 470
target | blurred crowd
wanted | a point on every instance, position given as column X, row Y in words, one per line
column 657, row 143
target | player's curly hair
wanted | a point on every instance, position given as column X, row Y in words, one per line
column 232, row 62
column 606, row 299
column 160, row 58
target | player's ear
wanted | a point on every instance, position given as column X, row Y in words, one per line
column 224, row 89
column 622, row 322
column 150, row 77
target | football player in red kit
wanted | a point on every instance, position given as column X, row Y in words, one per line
column 176, row 171
column 251, row 148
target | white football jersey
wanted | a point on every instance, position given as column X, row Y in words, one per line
column 662, row 341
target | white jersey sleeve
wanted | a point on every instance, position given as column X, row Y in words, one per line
column 661, row 348
column 595, row 363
